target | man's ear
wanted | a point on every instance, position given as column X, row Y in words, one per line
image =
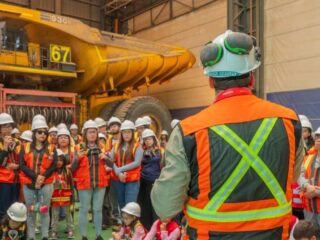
column 211, row 82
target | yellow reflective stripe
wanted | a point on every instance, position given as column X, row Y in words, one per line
column 239, row 216
column 60, row 199
column 239, row 172
column 307, row 162
column 255, row 162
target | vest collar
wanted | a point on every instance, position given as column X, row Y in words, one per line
column 231, row 92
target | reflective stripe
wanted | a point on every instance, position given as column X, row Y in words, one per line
column 296, row 200
column 296, row 191
column 249, row 159
column 307, row 162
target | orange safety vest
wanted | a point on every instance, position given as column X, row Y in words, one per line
column 99, row 176
column 218, row 214
column 62, row 192
column 121, row 159
column 312, row 174
column 7, row 175
column 44, row 163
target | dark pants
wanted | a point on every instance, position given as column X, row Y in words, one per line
column 106, row 208
column 148, row 215
column 298, row 212
column 9, row 193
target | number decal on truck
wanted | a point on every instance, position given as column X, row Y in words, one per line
column 60, row 54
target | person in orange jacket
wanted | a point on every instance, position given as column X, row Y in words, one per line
column 74, row 134
column 232, row 164
column 9, row 165
column 90, row 172
column 38, row 162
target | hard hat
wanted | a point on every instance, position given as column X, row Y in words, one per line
column 127, row 125
column 317, row 132
column 132, row 208
column 303, row 117
column 53, row 129
column 73, row 127
column 38, row 116
column 27, row 136
column 231, row 54
column 62, row 125
column 89, row 124
column 140, row 122
column 38, row 124
column 60, row 152
column 147, row 119
column 15, row 130
column 5, row 118
column 63, row 131
column 114, row 120
column 164, row 132
column 101, row 135
column 306, row 123
column 100, row 122
column 148, row 133
column 174, row 122
column 17, row 212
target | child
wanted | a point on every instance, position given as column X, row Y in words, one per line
column 13, row 225
column 164, row 230
column 164, row 138
column 62, row 196
column 132, row 228
column 305, row 230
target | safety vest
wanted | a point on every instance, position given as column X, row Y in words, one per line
column 39, row 165
column 240, row 149
column 7, row 175
column 91, row 172
column 77, row 140
column 312, row 174
column 171, row 227
column 121, row 159
column 62, row 192
column 129, row 231
column 12, row 234
column 296, row 198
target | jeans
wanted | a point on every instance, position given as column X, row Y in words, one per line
column 9, row 194
column 97, row 194
column 42, row 196
column 126, row 192
column 55, row 217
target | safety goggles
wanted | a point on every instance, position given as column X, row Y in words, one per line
column 236, row 43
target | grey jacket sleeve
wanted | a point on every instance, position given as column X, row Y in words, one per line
column 136, row 163
column 170, row 191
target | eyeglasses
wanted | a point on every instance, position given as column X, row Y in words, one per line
column 236, row 43
column 40, row 132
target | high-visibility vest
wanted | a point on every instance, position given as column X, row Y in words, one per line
column 312, row 174
column 296, row 196
column 8, row 175
column 213, row 208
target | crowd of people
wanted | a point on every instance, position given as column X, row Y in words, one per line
column 109, row 168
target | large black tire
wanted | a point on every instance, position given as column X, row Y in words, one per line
column 136, row 107
column 108, row 111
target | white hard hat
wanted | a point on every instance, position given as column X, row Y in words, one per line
column 147, row 119
column 231, row 54
column 5, row 118
column 132, row 208
column 53, row 129
column 148, row 133
column 100, row 122
column 174, row 122
column 17, row 212
column 303, row 117
column 89, row 124
column 15, row 130
column 101, row 135
column 62, row 125
column 60, row 152
column 73, row 127
column 306, row 123
column 140, row 122
column 164, row 132
column 38, row 116
column 127, row 125
column 27, row 136
column 114, row 120
column 38, row 124
column 317, row 132
column 63, row 131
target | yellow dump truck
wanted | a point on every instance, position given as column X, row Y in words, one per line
column 59, row 66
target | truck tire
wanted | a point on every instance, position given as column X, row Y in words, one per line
column 108, row 111
column 136, row 107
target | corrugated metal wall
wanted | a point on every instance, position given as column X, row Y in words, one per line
column 192, row 31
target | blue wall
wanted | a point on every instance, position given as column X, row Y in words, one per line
column 306, row 102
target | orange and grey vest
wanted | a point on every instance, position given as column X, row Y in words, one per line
column 241, row 152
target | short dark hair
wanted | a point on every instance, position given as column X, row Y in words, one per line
column 305, row 229
column 231, row 82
